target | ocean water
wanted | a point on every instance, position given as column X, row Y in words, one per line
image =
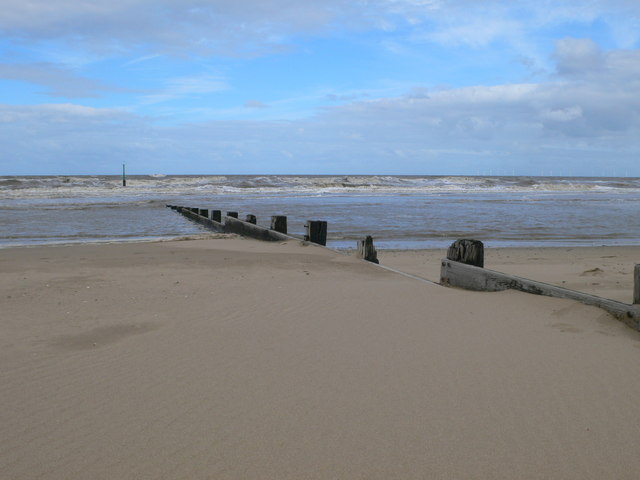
column 401, row 212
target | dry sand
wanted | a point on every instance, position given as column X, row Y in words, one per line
column 234, row 359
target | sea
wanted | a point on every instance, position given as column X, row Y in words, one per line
column 399, row 212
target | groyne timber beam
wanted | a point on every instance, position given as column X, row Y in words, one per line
column 454, row 273
column 202, row 220
column 231, row 224
column 247, row 229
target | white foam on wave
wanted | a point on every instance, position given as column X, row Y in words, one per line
column 167, row 185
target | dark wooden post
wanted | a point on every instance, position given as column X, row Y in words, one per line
column 636, row 285
column 316, row 232
column 366, row 250
column 203, row 212
column 216, row 216
column 466, row 251
column 279, row 223
column 251, row 219
column 232, row 214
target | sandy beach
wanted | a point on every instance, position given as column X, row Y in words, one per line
column 227, row 358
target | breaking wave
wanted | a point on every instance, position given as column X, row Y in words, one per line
column 171, row 185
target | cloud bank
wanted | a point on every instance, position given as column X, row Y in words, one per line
column 252, row 26
column 576, row 111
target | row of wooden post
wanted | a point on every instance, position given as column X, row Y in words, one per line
column 465, row 251
column 315, row 230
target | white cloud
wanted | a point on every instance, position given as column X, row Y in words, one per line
column 58, row 82
column 206, row 26
column 59, row 112
column 574, row 123
column 248, row 27
column 196, row 84
column 255, row 104
column 476, row 31
column 562, row 114
column 593, row 104
column 582, row 60
column 78, row 111
column 575, row 56
column 181, row 87
column 144, row 58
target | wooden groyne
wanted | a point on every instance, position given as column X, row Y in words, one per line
column 316, row 230
column 463, row 268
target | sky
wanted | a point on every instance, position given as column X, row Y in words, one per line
column 408, row 87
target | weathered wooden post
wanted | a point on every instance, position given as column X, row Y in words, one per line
column 279, row 223
column 636, row 285
column 203, row 212
column 232, row 214
column 216, row 216
column 251, row 219
column 366, row 250
column 470, row 252
column 316, row 232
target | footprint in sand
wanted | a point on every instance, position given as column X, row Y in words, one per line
column 565, row 327
column 594, row 272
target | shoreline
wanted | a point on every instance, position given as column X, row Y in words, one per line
column 343, row 250
column 203, row 236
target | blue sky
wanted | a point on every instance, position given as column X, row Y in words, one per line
column 355, row 87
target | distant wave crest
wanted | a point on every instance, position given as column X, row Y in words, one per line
column 74, row 186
